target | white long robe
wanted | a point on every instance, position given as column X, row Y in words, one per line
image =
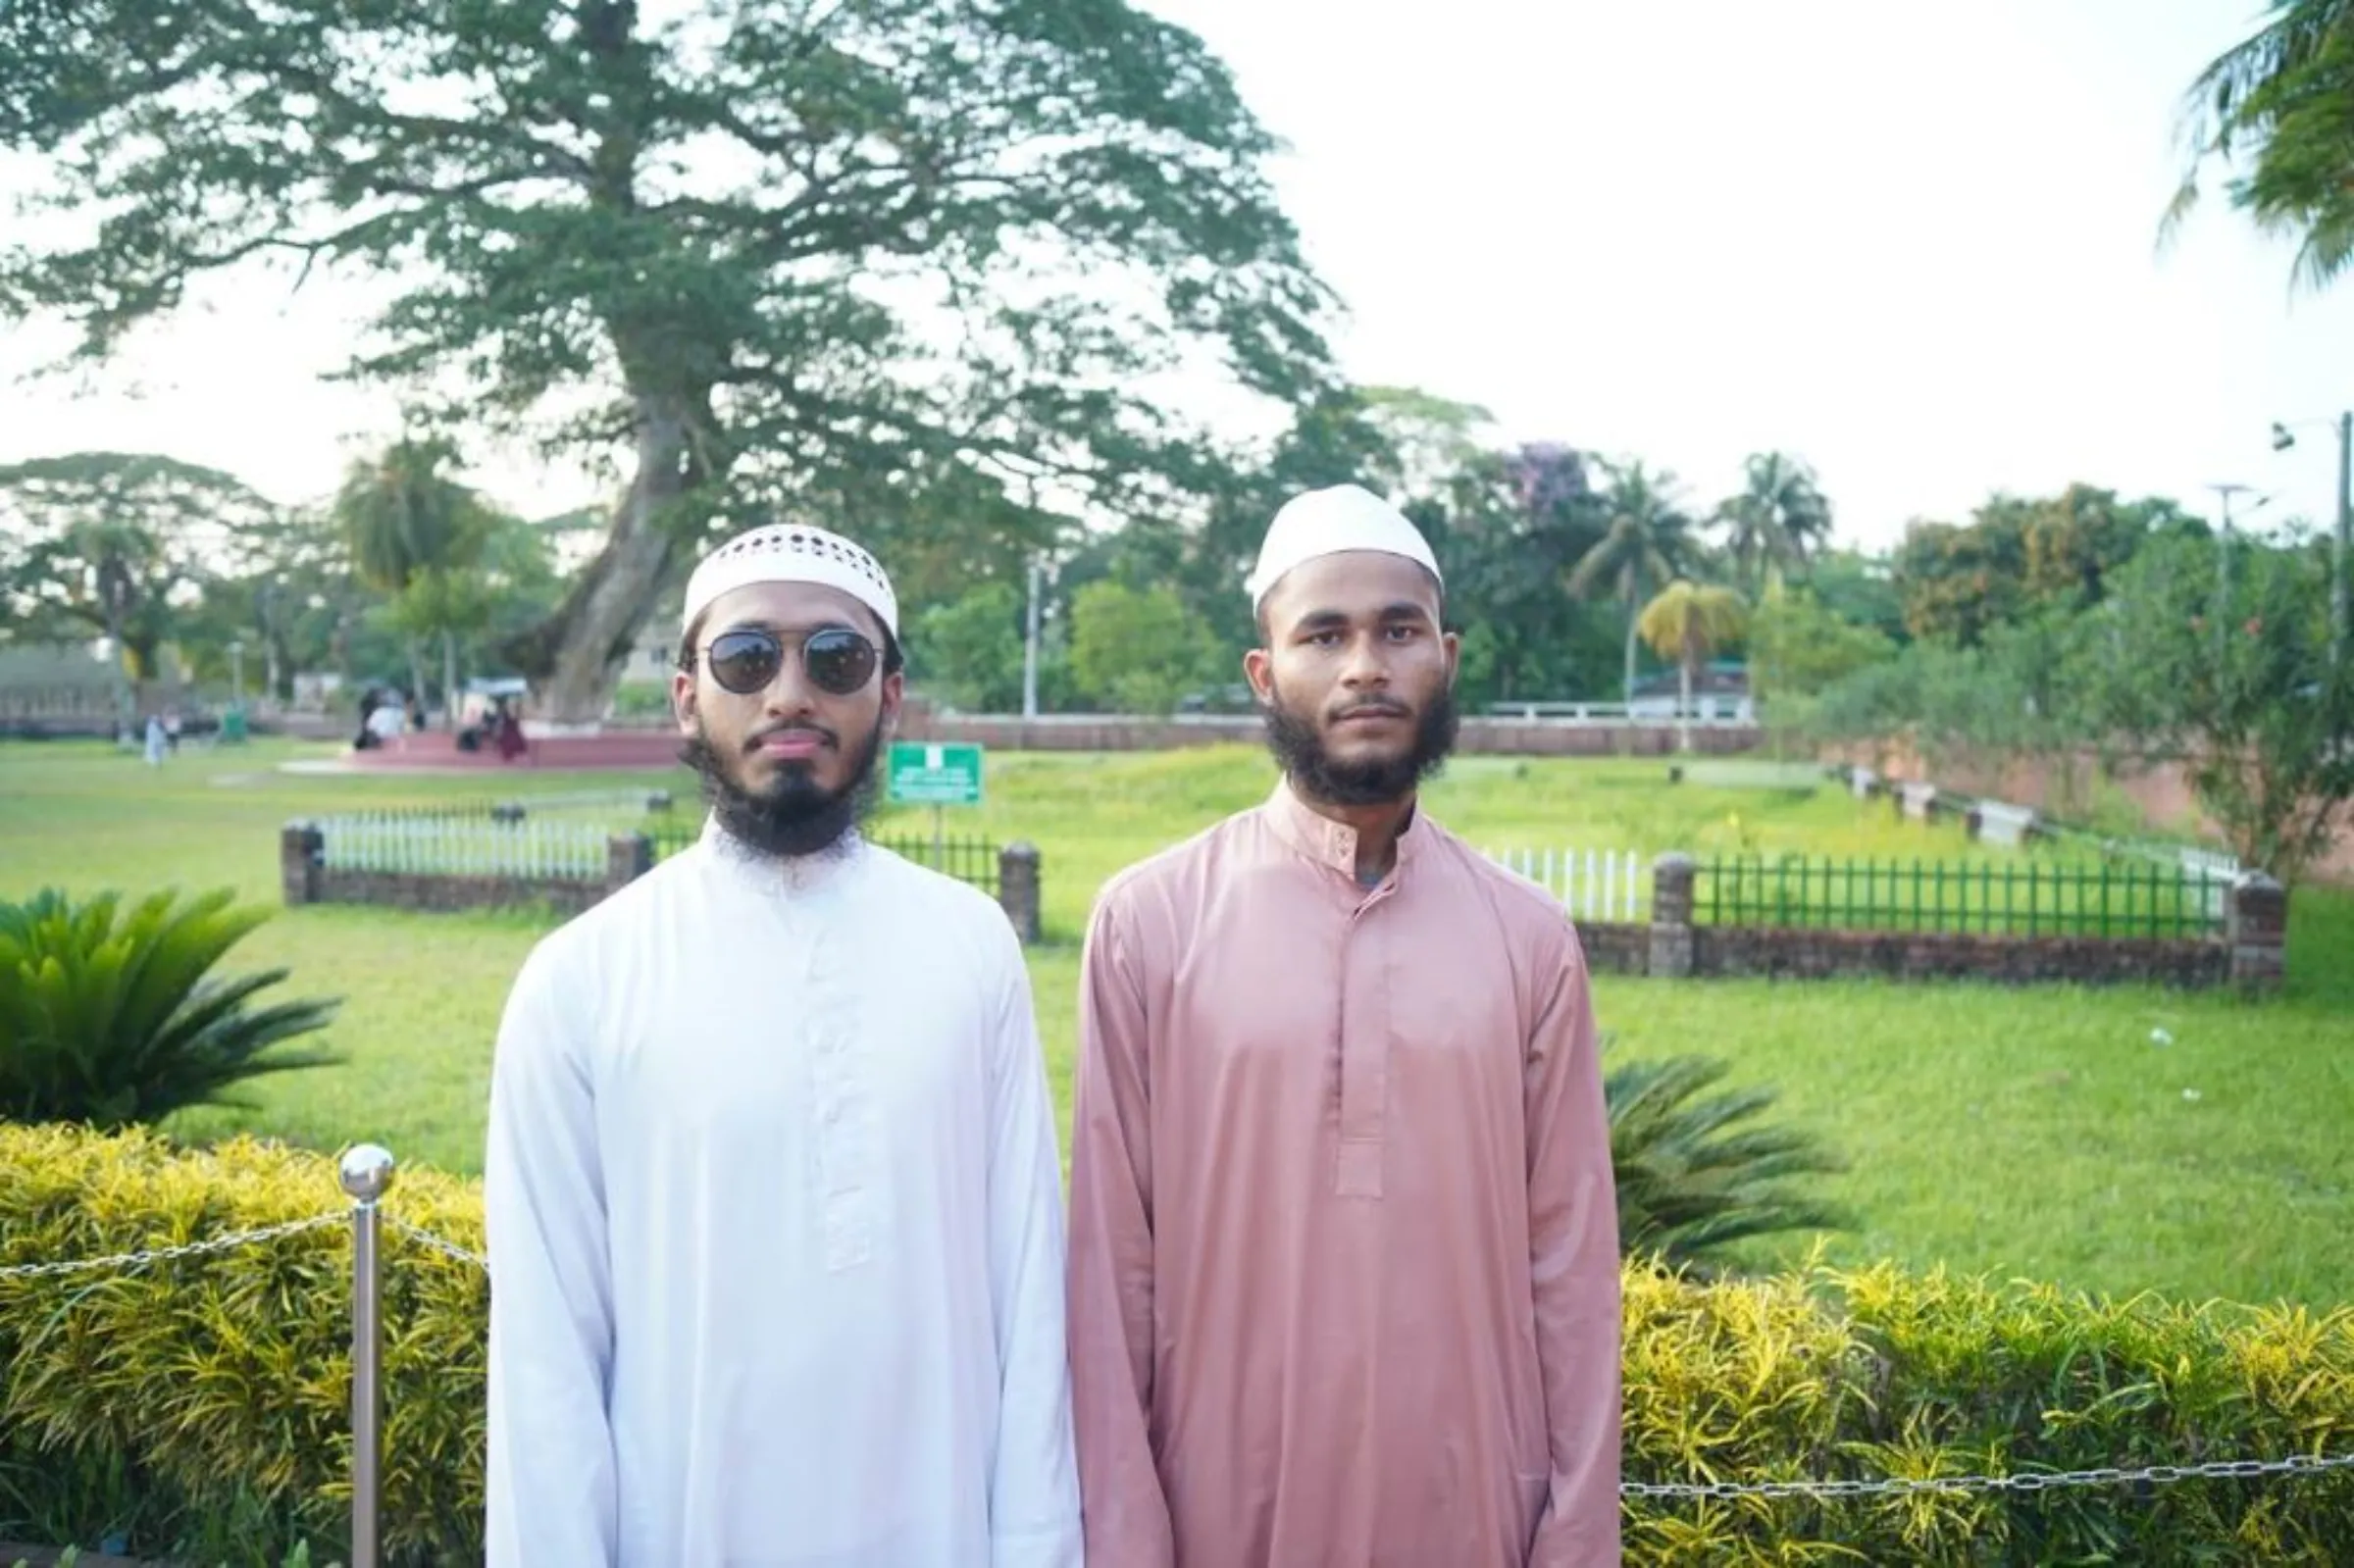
column 776, row 1232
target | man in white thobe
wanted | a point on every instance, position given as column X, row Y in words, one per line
column 773, row 1194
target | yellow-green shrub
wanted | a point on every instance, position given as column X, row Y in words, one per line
column 201, row 1406
column 204, row 1401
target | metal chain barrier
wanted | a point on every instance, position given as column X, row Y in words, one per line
column 2031, row 1481
column 366, row 1173
column 447, row 1248
column 127, row 1261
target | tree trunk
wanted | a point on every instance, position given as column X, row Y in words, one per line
column 574, row 659
column 1684, row 684
column 450, row 681
column 127, row 703
column 1627, row 693
column 416, row 670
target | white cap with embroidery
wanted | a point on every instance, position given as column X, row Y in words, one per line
column 791, row 552
column 1345, row 517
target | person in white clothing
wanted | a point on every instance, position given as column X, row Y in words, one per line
column 773, row 1192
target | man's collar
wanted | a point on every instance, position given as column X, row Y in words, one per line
column 789, row 874
column 1328, row 842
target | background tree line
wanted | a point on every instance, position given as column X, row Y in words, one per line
column 2088, row 634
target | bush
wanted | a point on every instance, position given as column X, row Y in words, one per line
column 200, row 1408
column 202, row 1401
column 112, row 1017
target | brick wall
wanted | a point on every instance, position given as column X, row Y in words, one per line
column 1541, row 737
column 1615, row 948
column 396, row 891
column 1796, row 954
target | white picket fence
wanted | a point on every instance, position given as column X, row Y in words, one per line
column 1612, row 885
column 535, row 847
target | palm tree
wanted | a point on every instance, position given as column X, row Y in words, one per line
column 408, row 525
column 2274, row 107
column 1647, row 538
column 1779, row 519
column 1687, row 623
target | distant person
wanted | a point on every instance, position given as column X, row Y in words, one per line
column 774, row 1200
column 507, row 731
column 157, row 741
column 388, row 723
column 1344, row 1235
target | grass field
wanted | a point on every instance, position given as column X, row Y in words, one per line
column 2036, row 1131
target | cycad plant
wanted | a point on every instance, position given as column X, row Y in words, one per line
column 112, row 1015
column 1690, row 1182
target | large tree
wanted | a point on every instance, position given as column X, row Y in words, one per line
column 1510, row 529
column 2018, row 555
column 117, row 545
column 2236, row 683
column 773, row 255
column 2278, row 111
column 285, row 592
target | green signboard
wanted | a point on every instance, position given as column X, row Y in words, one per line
column 926, row 775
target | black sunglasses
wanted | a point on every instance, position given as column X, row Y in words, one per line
column 837, row 660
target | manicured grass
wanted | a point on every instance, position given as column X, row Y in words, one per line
column 2038, row 1132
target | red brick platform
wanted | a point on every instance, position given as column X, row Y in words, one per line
column 606, row 751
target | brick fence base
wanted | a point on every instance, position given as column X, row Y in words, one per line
column 1786, row 953
column 394, row 890
column 1616, row 947
column 1921, row 955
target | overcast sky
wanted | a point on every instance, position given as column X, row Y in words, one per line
column 1914, row 245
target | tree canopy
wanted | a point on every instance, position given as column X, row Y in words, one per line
column 109, row 544
column 767, row 255
column 2276, row 111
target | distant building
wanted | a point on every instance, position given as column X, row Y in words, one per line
column 1720, row 691
column 46, row 684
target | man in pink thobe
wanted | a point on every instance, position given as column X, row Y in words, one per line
column 1344, row 1245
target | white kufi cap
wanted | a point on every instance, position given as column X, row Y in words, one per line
column 1345, row 517
column 791, row 552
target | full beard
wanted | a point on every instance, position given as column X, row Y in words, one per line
column 794, row 817
column 1298, row 743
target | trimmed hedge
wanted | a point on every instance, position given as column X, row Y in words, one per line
column 198, row 1406
column 201, row 1406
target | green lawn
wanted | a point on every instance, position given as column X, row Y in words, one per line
column 2036, row 1131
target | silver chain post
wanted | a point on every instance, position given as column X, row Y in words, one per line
column 365, row 1173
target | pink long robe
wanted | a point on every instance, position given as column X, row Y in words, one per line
column 1343, row 1261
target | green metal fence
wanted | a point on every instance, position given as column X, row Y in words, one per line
column 968, row 860
column 2030, row 900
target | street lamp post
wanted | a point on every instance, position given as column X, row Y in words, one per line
column 2282, row 439
column 236, row 673
column 2223, row 555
